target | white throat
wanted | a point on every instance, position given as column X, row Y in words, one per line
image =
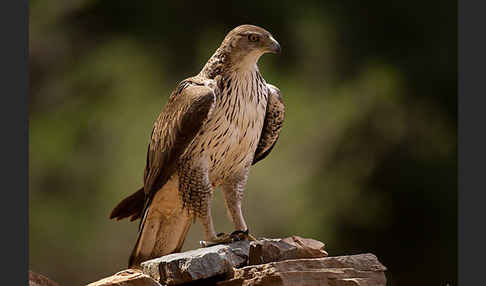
column 249, row 62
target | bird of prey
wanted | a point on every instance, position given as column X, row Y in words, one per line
column 215, row 126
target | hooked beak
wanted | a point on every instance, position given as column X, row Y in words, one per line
column 274, row 47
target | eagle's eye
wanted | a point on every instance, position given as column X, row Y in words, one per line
column 253, row 38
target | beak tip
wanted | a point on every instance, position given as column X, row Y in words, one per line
column 276, row 48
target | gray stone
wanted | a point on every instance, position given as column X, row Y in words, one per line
column 202, row 263
column 292, row 261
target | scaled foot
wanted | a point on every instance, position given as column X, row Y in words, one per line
column 223, row 238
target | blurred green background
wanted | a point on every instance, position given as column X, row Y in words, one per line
column 366, row 161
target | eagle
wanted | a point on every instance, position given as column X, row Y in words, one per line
column 214, row 127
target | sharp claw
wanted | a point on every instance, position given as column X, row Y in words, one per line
column 238, row 232
column 238, row 235
column 222, row 238
column 208, row 243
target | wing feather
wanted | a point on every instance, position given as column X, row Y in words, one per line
column 274, row 118
column 182, row 118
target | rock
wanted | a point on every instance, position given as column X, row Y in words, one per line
column 294, row 247
column 36, row 279
column 266, row 262
column 128, row 277
column 202, row 263
column 220, row 260
column 359, row 270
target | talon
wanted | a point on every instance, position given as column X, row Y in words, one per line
column 238, row 232
column 221, row 238
column 203, row 243
column 238, row 235
column 207, row 243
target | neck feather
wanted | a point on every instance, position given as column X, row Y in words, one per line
column 224, row 61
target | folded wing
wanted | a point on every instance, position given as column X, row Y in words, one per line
column 274, row 118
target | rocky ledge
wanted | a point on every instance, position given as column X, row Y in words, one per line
column 289, row 261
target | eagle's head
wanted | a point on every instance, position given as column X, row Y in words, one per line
column 246, row 43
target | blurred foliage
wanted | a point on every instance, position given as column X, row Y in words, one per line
column 366, row 161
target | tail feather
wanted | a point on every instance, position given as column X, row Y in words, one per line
column 163, row 227
column 132, row 206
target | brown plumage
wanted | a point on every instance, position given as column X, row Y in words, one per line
column 214, row 127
